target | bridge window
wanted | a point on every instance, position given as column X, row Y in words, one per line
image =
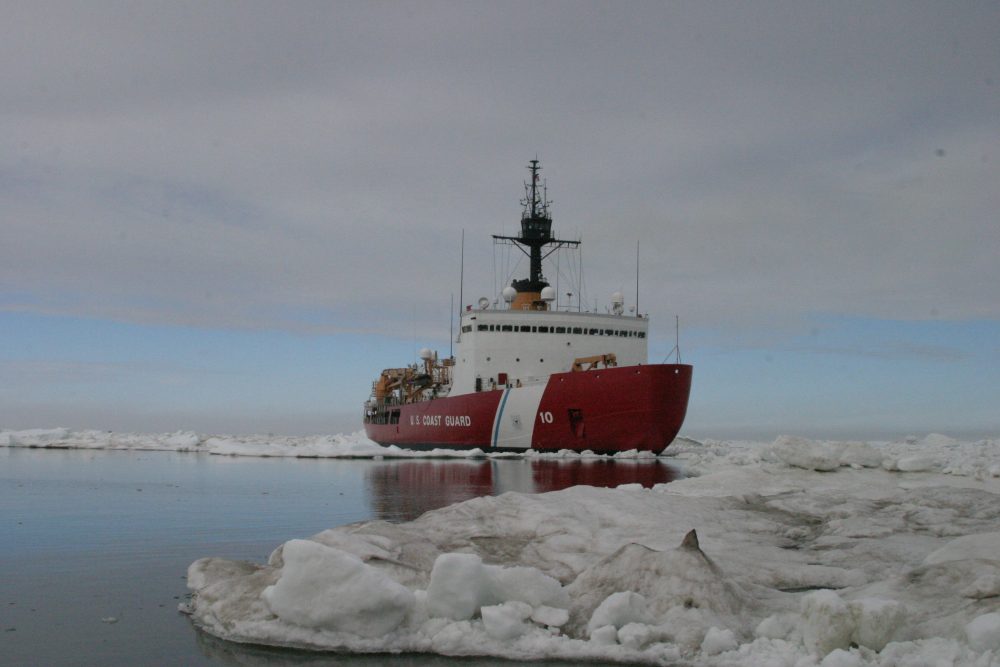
column 482, row 327
column 543, row 329
column 577, row 330
column 467, row 328
column 642, row 334
column 506, row 327
column 525, row 328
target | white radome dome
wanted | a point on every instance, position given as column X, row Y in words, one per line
column 548, row 294
column 617, row 298
column 426, row 354
column 508, row 293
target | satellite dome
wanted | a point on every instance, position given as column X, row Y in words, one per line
column 426, row 354
column 484, row 303
column 617, row 303
column 548, row 294
column 508, row 293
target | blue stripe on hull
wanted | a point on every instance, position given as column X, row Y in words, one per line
column 496, row 424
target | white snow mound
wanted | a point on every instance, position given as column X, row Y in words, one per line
column 806, row 554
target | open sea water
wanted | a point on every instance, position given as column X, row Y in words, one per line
column 95, row 545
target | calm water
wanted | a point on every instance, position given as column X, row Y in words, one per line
column 86, row 537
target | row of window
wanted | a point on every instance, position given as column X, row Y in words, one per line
column 526, row 328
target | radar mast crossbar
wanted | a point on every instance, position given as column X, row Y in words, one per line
column 536, row 231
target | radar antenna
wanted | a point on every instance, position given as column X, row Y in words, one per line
column 536, row 234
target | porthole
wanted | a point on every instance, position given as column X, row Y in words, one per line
column 518, row 359
column 541, row 361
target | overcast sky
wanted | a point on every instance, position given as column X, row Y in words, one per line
column 229, row 216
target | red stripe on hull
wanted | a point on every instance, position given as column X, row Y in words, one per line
column 606, row 410
column 614, row 409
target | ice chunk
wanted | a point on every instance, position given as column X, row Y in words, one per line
column 841, row 658
column 213, row 570
column 619, row 609
column 860, row 454
column 325, row 588
column 506, row 621
column 876, row 621
column 985, row 586
column 803, row 453
column 634, row 635
column 526, row 584
column 605, row 635
column 37, row 436
column 827, row 622
column 918, row 463
column 459, row 586
column 982, row 545
column 983, row 632
column 718, row 641
column 182, row 441
column 777, row 626
column 550, row 616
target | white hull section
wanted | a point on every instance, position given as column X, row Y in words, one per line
column 515, row 420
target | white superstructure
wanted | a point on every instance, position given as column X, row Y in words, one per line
column 497, row 348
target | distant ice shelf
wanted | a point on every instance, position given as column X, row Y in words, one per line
column 352, row 445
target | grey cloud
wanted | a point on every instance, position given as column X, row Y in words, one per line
column 310, row 167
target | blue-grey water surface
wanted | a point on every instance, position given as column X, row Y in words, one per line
column 94, row 545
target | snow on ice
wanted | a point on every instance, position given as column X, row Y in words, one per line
column 793, row 553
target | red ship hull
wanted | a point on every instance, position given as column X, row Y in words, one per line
column 606, row 410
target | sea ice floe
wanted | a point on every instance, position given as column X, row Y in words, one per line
column 839, row 554
column 858, row 565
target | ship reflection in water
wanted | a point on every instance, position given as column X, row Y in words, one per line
column 403, row 490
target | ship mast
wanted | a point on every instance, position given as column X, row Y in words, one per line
column 536, row 234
